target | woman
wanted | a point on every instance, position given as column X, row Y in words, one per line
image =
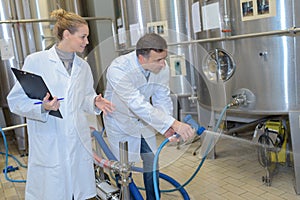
column 60, row 163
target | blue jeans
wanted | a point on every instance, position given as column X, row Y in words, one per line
column 148, row 159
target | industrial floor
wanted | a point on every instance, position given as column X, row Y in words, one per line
column 234, row 174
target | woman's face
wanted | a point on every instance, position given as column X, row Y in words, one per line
column 77, row 41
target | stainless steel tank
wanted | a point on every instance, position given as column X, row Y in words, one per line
column 102, row 47
column 11, row 55
column 260, row 67
column 132, row 20
column 252, row 51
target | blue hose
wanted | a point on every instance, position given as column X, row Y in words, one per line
column 176, row 184
column 134, row 191
column 133, row 188
column 199, row 131
column 168, row 179
column 6, row 160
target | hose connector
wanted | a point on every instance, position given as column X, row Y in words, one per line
column 238, row 100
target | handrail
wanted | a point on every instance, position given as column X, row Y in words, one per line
column 113, row 28
column 292, row 30
column 18, row 21
column 14, row 127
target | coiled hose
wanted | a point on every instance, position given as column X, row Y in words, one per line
column 6, row 160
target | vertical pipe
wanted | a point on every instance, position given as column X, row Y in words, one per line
column 16, row 38
column 124, row 170
column 226, row 27
column 218, row 64
column 29, row 28
column 21, row 30
column 124, row 15
column 191, row 46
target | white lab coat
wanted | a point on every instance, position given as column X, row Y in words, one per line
column 128, row 89
column 60, row 162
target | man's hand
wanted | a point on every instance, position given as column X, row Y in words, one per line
column 183, row 129
column 104, row 105
column 170, row 132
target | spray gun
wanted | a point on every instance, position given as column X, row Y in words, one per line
column 189, row 120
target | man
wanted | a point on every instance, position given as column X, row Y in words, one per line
column 138, row 85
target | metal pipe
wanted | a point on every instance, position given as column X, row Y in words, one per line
column 108, row 164
column 244, row 126
column 53, row 20
column 292, row 30
column 226, row 27
column 124, row 170
column 14, row 127
column 125, row 22
column 19, row 21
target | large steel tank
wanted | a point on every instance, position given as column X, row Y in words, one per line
column 252, row 51
column 11, row 55
column 132, row 20
column 262, row 67
column 102, row 48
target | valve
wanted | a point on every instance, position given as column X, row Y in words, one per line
column 243, row 98
column 238, row 100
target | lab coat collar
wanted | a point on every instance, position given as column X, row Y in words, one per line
column 60, row 68
column 146, row 73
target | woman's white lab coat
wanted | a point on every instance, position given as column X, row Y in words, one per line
column 60, row 162
column 135, row 116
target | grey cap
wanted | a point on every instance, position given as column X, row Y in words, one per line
column 151, row 41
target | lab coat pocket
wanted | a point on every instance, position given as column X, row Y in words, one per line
column 43, row 148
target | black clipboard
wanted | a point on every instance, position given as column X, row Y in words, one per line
column 34, row 86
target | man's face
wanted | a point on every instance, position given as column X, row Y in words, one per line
column 155, row 62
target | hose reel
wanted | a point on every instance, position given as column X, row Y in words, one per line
column 272, row 139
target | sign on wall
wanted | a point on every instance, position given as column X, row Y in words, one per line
column 257, row 9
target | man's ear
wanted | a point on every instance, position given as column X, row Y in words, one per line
column 141, row 59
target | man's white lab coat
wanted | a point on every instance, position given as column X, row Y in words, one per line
column 128, row 89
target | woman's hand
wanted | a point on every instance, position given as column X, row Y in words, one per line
column 104, row 105
column 50, row 104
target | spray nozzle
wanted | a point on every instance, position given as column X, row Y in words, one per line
column 189, row 120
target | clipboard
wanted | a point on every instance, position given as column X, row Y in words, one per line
column 34, row 87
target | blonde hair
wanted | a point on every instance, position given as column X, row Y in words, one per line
column 66, row 21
